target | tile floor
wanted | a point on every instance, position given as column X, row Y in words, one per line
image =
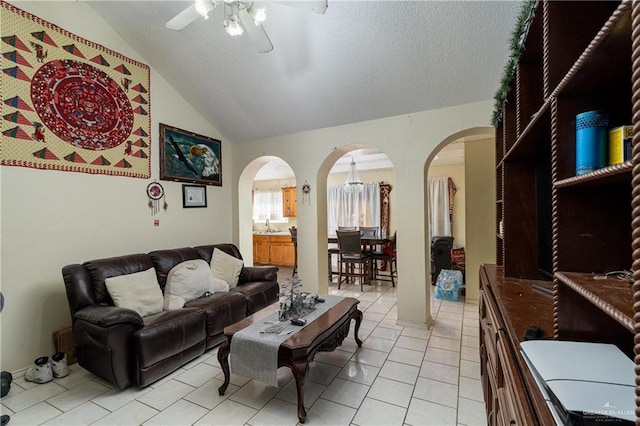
column 400, row 376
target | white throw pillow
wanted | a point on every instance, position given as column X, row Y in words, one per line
column 139, row 291
column 226, row 267
column 188, row 281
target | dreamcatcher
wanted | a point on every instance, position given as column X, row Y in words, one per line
column 155, row 192
column 306, row 193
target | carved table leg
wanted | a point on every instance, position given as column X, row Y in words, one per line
column 223, row 359
column 299, row 370
column 357, row 315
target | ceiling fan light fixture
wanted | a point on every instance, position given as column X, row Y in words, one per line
column 258, row 14
column 203, row 7
column 233, row 27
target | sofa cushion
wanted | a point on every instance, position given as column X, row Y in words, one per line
column 168, row 333
column 165, row 260
column 226, row 267
column 222, row 309
column 259, row 294
column 138, row 291
column 188, row 281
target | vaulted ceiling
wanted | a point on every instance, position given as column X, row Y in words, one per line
column 359, row 61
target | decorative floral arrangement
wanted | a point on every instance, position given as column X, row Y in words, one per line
column 293, row 302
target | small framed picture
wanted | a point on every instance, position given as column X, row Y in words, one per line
column 194, row 196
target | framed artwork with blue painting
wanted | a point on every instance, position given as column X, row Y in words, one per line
column 189, row 157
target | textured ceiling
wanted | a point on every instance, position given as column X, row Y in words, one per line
column 359, row 61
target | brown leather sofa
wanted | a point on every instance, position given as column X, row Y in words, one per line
column 120, row 346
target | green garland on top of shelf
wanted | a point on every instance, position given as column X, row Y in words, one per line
column 516, row 45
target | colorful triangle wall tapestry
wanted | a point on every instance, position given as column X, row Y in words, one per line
column 70, row 104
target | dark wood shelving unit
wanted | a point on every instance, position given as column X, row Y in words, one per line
column 561, row 231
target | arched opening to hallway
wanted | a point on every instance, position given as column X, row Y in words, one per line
column 468, row 159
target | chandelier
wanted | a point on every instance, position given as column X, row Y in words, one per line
column 353, row 183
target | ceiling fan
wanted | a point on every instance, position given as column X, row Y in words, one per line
column 240, row 16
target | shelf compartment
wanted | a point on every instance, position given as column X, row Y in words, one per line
column 607, row 175
column 593, row 227
column 534, row 142
column 571, row 46
column 595, row 310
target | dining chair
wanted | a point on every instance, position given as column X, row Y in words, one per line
column 353, row 262
column 388, row 257
column 336, row 251
column 294, row 239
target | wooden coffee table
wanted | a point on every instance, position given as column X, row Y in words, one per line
column 323, row 334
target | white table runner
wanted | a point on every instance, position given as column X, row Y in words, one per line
column 254, row 354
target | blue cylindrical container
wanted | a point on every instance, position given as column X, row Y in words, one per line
column 591, row 141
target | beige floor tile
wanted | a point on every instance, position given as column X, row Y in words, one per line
column 370, row 357
column 440, row 372
column 406, row 356
column 359, row 372
column 32, row 396
column 254, row 394
column 401, row 372
column 78, row 395
column 329, row 413
column 423, row 413
column 35, row 414
column 166, row 395
column 471, row 389
column 312, row 392
column 438, row 392
column 278, row 413
column 374, row 412
column 470, row 369
column 134, row 413
column 378, row 344
column 471, row 412
column 345, row 392
column 207, row 395
column 83, row 414
column 411, row 343
column 180, row 413
column 322, row 373
column 229, row 413
column 444, row 343
column 442, row 356
column 391, row 391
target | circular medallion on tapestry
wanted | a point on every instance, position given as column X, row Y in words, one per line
column 81, row 104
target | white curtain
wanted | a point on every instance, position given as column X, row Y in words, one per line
column 357, row 209
column 439, row 218
column 267, row 204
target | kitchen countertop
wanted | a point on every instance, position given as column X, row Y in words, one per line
column 271, row 233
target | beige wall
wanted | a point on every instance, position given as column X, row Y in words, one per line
column 52, row 218
column 410, row 141
column 480, row 174
column 455, row 172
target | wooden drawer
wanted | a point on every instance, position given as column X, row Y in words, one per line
column 512, row 400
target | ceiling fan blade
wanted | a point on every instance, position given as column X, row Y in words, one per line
column 183, row 19
column 256, row 33
column 318, row 6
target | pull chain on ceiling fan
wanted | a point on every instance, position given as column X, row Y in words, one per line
column 240, row 16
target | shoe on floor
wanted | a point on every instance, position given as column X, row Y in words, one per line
column 40, row 372
column 4, row 419
column 5, row 381
column 59, row 365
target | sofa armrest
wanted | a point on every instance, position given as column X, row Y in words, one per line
column 105, row 316
column 258, row 273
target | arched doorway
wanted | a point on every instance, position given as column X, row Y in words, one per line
column 474, row 178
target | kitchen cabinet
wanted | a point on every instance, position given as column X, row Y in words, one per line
column 289, row 202
column 273, row 250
